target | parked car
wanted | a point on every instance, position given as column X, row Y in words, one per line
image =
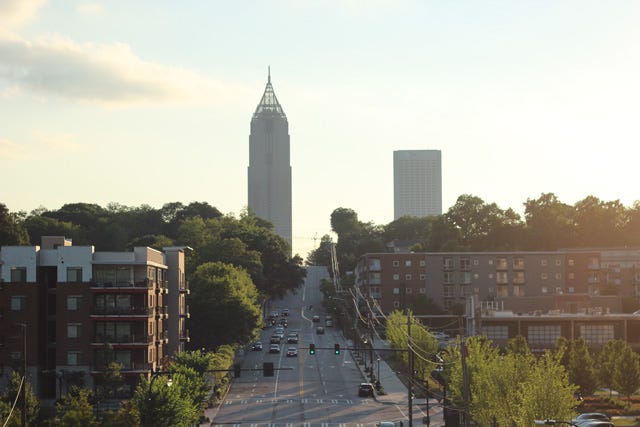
column 315, row 319
column 292, row 352
column 274, row 348
column 257, row 346
column 365, row 390
column 590, row 416
column 320, row 330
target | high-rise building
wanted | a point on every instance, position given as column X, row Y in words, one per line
column 417, row 183
column 269, row 172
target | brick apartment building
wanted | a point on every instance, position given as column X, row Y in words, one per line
column 78, row 309
column 540, row 295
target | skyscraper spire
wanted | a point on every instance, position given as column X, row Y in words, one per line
column 269, row 103
column 269, row 74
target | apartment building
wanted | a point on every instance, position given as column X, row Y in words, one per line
column 571, row 280
column 77, row 310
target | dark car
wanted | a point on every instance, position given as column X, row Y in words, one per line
column 319, row 330
column 589, row 417
column 285, row 311
column 365, row 390
column 315, row 319
column 275, row 339
column 292, row 339
column 257, row 346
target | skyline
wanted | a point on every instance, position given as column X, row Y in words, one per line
column 150, row 103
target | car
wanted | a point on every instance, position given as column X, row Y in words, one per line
column 328, row 318
column 595, row 423
column 285, row 312
column 279, row 331
column 292, row 352
column 328, row 323
column 315, row 319
column 590, row 416
column 274, row 314
column 257, row 346
column 274, row 348
column 275, row 339
column 365, row 390
column 292, row 339
column 284, row 323
column 320, row 330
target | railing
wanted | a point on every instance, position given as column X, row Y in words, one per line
column 145, row 284
column 123, row 339
column 185, row 335
column 185, row 312
column 161, row 310
column 164, row 335
column 184, row 287
column 123, row 311
column 127, row 365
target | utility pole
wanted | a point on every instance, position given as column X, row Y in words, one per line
column 410, row 386
column 24, row 373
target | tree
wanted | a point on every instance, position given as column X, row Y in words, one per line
column 224, row 306
column 12, row 231
column 322, row 254
column 9, row 397
column 581, row 367
column 549, row 223
column 607, row 360
column 159, row 405
column 75, row 409
column 626, row 375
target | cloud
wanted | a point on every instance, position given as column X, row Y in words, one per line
column 14, row 13
column 103, row 73
column 59, row 143
column 11, row 151
column 89, row 8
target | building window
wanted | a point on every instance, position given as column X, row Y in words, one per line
column 447, row 263
column 501, row 278
column 490, row 262
column 558, row 276
column 396, row 304
column 502, row 291
column 396, row 277
column 73, row 330
column 571, row 262
column 396, row 291
column 544, row 289
column 374, row 264
column 466, row 291
column 423, row 263
column 448, row 291
column 559, row 290
column 543, row 262
column 476, row 261
column 543, row 334
column 74, row 274
column 448, row 278
column 558, row 262
column 501, row 264
column 597, row 334
column 16, row 356
column 518, row 277
column 407, row 277
column 423, row 277
column 73, row 302
column 150, row 355
column 18, row 274
column 407, row 263
column 518, row 263
column 476, row 276
column 423, row 291
column 543, row 276
column 490, row 275
column 465, row 278
column 465, row 263
column 18, row 302
column 396, row 263
column 496, row 332
column 518, row 291
column 73, row 358
column 408, row 290
column 571, row 289
column 572, row 276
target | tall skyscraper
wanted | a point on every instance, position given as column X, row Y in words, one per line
column 417, row 183
column 269, row 164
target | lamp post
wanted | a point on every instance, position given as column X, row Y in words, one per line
column 154, row 376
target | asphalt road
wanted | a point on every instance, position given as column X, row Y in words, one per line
column 308, row 390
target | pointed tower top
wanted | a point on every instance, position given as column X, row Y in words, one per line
column 269, row 103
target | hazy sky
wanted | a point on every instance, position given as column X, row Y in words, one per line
column 149, row 101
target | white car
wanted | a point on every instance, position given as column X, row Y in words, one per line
column 274, row 348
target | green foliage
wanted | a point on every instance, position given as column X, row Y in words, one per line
column 581, row 367
column 75, row 409
column 607, row 360
column 160, row 405
column 9, row 396
column 225, row 306
column 626, row 373
column 12, row 231
column 512, row 388
column 422, row 343
column 322, row 254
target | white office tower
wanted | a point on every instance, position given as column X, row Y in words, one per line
column 417, row 183
column 269, row 172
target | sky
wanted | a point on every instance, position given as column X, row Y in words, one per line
column 150, row 101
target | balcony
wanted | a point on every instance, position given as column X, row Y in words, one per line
column 185, row 313
column 162, row 337
column 122, row 311
column 141, row 285
column 184, row 288
column 142, row 339
column 185, row 336
column 162, row 312
column 163, row 287
column 128, row 366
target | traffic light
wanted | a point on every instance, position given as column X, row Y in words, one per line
column 336, row 348
column 267, row 369
column 312, row 349
column 236, row 370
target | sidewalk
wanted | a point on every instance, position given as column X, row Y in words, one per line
column 396, row 393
